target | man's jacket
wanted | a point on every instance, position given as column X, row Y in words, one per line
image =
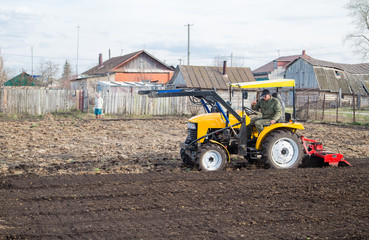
column 270, row 109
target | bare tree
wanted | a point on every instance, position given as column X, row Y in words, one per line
column 48, row 71
column 232, row 61
column 359, row 11
column 3, row 73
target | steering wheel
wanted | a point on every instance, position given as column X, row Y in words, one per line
column 249, row 111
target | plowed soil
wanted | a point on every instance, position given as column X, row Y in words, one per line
column 123, row 179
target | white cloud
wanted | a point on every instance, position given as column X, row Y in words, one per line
column 254, row 31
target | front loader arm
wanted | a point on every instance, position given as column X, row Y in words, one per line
column 208, row 95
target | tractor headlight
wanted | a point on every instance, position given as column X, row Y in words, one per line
column 191, row 126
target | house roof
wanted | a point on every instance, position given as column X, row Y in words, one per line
column 23, row 79
column 111, row 64
column 361, row 68
column 269, row 67
column 208, row 77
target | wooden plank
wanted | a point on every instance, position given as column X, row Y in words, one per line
column 219, row 77
column 199, row 77
column 206, row 77
column 192, row 77
column 237, row 75
column 213, row 80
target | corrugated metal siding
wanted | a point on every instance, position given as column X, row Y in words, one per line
column 303, row 73
column 366, row 83
column 333, row 80
column 321, row 79
column 357, row 85
column 344, row 82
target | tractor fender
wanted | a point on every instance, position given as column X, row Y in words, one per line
column 229, row 157
column 271, row 128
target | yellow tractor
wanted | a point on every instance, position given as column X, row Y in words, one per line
column 214, row 136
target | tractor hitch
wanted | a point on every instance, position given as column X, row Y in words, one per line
column 315, row 148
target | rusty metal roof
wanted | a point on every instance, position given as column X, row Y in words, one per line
column 208, row 77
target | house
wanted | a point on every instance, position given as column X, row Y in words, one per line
column 316, row 77
column 138, row 66
column 23, row 79
column 276, row 68
column 202, row 77
column 218, row 78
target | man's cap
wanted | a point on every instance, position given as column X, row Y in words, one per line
column 264, row 93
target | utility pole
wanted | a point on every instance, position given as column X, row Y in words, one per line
column 77, row 49
column 32, row 59
column 188, row 43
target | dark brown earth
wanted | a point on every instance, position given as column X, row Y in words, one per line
column 61, row 180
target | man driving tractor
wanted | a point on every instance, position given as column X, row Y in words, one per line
column 271, row 110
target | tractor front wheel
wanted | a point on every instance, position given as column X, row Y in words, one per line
column 212, row 157
column 282, row 149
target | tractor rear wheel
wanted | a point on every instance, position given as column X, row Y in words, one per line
column 282, row 149
column 212, row 157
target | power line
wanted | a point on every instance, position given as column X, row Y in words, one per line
column 62, row 58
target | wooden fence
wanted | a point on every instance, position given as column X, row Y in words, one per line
column 38, row 101
column 135, row 104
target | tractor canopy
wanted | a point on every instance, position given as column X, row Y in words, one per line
column 275, row 83
column 266, row 84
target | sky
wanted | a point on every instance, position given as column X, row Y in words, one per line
column 248, row 33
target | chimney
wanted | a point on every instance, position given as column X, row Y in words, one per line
column 224, row 67
column 303, row 52
column 100, row 59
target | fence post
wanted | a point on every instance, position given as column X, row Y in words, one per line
column 323, row 107
column 337, row 103
column 316, row 107
column 353, row 103
column 358, row 105
column 308, row 106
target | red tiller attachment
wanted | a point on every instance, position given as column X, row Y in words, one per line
column 315, row 148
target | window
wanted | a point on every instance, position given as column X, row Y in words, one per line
column 338, row 74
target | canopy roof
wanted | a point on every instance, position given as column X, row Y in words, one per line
column 266, row 84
